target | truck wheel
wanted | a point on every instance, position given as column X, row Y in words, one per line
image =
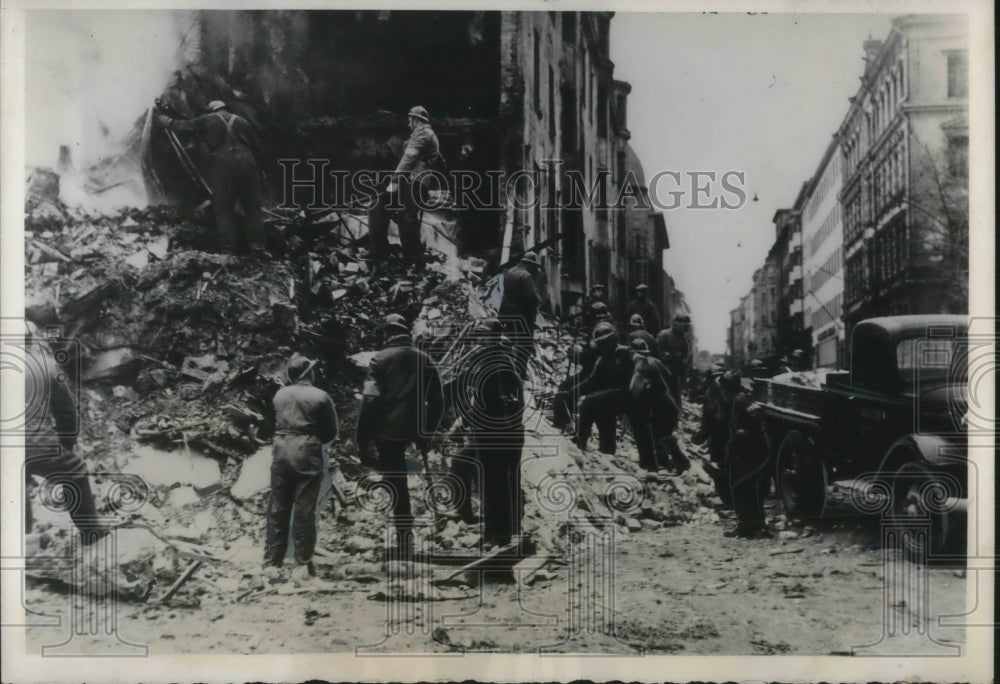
column 924, row 527
column 800, row 477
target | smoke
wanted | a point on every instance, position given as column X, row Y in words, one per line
column 90, row 74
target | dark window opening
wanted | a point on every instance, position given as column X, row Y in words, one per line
column 958, row 157
column 958, row 74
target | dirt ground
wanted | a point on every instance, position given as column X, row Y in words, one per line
column 679, row 589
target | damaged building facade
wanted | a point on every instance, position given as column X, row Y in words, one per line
column 507, row 92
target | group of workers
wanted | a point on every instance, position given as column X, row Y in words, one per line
column 234, row 181
column 638, row 374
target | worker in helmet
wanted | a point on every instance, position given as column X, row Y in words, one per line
column 595, row 307
column 645, row 307
column 491, row 405
column 519, row 307
column 402, row 403
column 637, row 331
column 233, row 178
column 407, row 191
column 304, row 420
column 603, row 391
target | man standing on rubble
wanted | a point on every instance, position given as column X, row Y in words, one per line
column 492, row 407
column 52, row 425
column 304, row 420
column 406, row 191
column 746, row 459
column 565, row 398
column 519, row 307
column 677, row 352
column 644, row 307
column 651, row 411
column 603, row 391
column 402, row 403
column 233, row 178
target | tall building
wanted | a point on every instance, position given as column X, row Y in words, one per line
column 792, row 330
column 904, row 145
column 508, row 93
column 765, row 308
column 823, row 260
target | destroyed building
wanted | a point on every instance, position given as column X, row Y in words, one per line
column 506, row 91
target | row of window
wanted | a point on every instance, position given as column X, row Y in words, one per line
column 889, row 175
column 828, row 182
column 831, row 268
column 885, row 101
column 853, row 221
column 876, row 262
column 827, row 312
column 830, row 224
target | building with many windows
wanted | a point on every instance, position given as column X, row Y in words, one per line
column 904, row 145
column 823, row 260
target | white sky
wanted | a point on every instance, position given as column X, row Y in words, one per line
column 757, row 93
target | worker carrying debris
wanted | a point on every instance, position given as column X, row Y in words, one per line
column 651, row 411
column 304, row 420
column 747, row 458
column 233, row 179
column 519, row 307
column 406, row 192
column 643, row 306
column 402, row 403
column 51, row 422
column 602, row 392
column 637, row 331
column 491, row 405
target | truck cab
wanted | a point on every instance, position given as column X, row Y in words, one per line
column 892, row 427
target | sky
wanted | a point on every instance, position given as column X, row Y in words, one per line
column 762, row 94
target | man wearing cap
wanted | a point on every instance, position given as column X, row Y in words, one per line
column 491, row 405
column 304, row 420
column 650, row 409
column 519, row 307
column 637, row 331
column 234, row 151
column 402, row 403
column 603, row 391
column 421, row 153
column 644, row 307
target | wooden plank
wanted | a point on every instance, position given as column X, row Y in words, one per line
column 486, row 560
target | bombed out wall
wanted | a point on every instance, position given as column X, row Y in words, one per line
column 336, row 85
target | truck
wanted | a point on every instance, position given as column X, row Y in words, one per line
column 891, row 430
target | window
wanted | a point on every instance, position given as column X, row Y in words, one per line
column 958, row 74
column 552, row 105
column 537, row 74
column 958, row 157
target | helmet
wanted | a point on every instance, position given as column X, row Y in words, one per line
column 636, row 321
column 531, row 258
column 757, row 364
column 395, row 322
column 298, row 367
column 419, row 112
column 641, row 287
column 797, row 354
column 600, row 310
column 596, row 286
column 730, row 380
column 718, row 368
column 639, row 346
column 604, row 331
column 216, row 105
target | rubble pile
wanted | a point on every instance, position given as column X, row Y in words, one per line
column 179, row 352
